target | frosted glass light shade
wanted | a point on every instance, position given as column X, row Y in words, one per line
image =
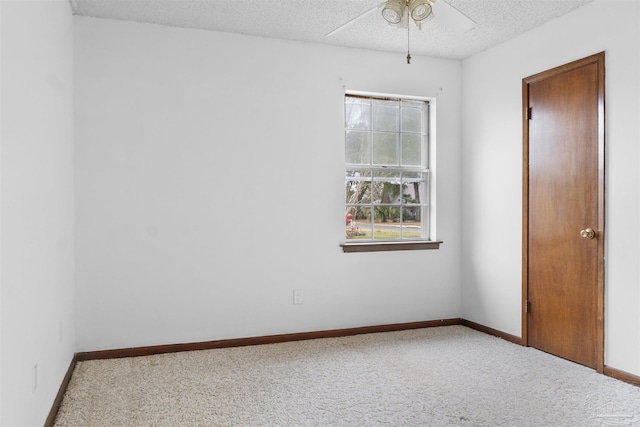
column 393, row 11
column 420, row 9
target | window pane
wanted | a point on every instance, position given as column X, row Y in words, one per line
column 411, row 222
column 387, row 222
column 412, row 186
column 357, row 148
column 412, row 149
column 386, row 187
column 411, row 119
column 357, row 113
column 386, row 115
column 385, row 148
column 358, row 187
column 358, row 223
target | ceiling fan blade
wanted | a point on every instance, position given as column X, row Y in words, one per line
column 354, row 20
column 452, row 17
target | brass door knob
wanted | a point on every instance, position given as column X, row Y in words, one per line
column 589, row 233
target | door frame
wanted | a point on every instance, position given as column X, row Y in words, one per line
column 599, row 60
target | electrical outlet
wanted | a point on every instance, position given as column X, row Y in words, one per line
column 298, row 296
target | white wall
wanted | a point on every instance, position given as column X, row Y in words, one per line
column 182, row 136
column 0, row 212
column 37, row 207
column 492, row 168
column 1, row 378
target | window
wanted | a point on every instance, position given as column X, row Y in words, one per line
column 386, row 171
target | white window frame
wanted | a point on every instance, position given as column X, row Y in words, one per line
column 428, row 217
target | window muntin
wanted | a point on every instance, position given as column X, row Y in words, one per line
column 387, row 175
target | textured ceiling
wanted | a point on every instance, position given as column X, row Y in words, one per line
column 495, row 21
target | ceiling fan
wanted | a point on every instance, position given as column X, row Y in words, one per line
column 400, row 13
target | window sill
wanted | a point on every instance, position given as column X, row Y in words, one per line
column 389, row 246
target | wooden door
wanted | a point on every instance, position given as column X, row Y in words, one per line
column 563, row 280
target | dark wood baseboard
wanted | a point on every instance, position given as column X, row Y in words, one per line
column 53, row 413
column 270, row 339
column 622, row 375
column 490, row 331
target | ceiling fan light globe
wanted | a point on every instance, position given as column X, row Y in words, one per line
column 393, row 11
column 420, row 9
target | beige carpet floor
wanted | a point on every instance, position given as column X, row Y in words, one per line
column 446, row 376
